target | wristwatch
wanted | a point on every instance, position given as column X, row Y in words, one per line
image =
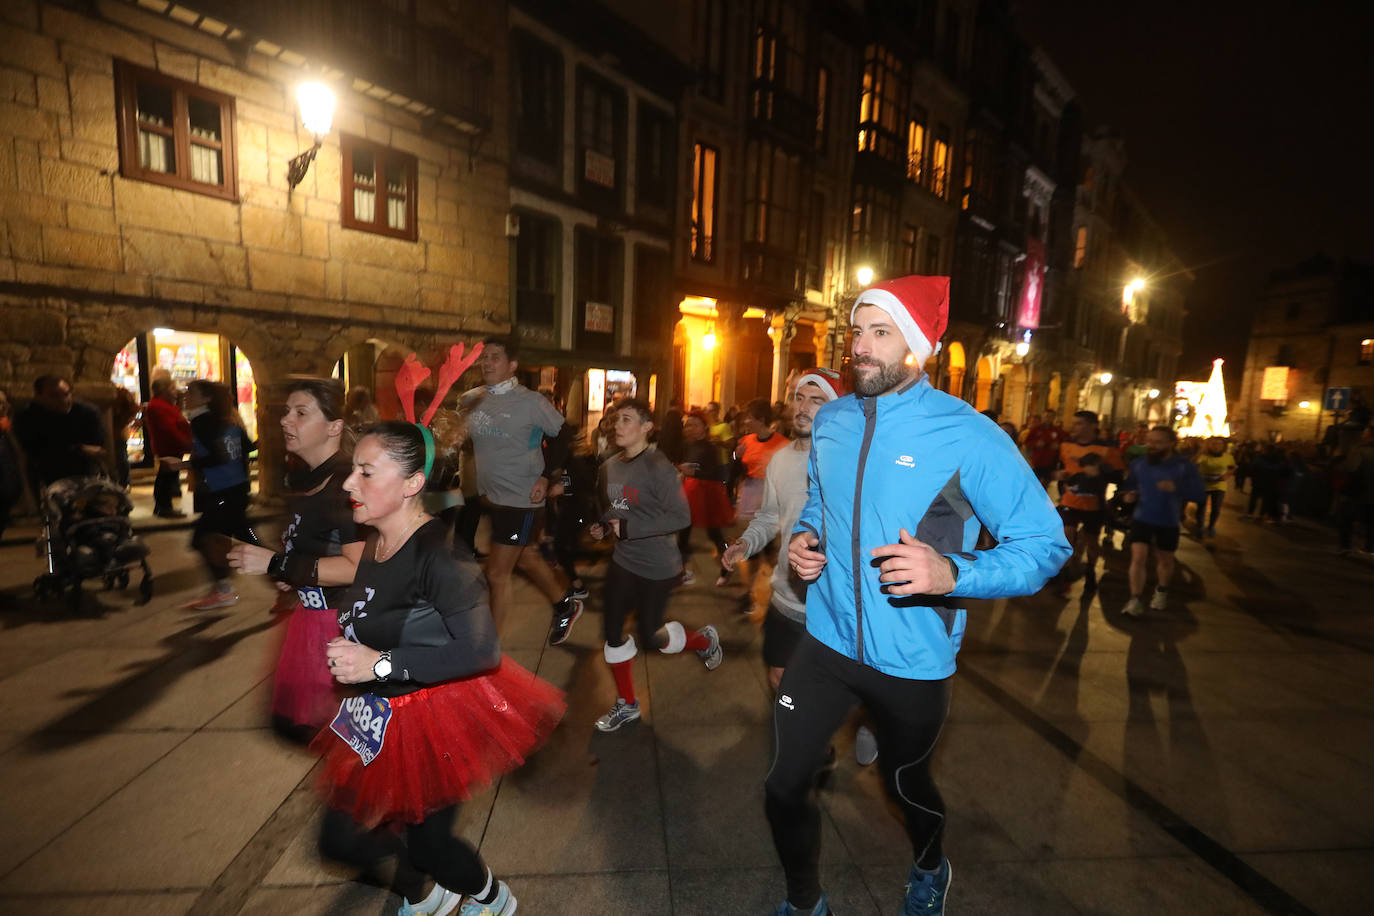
column 382, row 670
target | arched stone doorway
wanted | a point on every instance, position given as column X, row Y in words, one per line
column 1056, row 392
column 982, row 381
column 1015, row 394
column 955, row 383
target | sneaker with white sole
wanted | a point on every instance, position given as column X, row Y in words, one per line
column 503, row 905
column 926, row 893
column 688, row 577
column 580, row 593
column 621, row 713
column 447, row 901
column 713, row 653
column 214, row 600
column 568, row 610
column 1134, row 608
column 1160, row 600
column 822, row 908
column 865, row 746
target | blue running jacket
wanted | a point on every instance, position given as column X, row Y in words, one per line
column 925, row 461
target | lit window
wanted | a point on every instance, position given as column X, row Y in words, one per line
column 704, row 186
column 1367, row 351
column 940, row 162
column 1080, row 246
column 175, row 133
column 915, row 148
column 822, row 97
column 378, row 189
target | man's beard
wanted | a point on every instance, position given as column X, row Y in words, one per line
column 798, row 432
column 888, row 376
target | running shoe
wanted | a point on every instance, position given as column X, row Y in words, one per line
column 1134, row 608
column 688, row 577
column 447, row 902
column 713, row 653
column 578, row 591
column 503, row 905
column 569, row 609
column 822, row 908
column 1160, row 600
column 621, row 713
column 926, row 893
column 865, row 746
column 214, row 599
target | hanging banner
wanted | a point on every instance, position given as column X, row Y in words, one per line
column 1028, row 315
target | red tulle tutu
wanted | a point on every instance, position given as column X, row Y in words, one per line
column 443, row 744
column 709, row 504
column 303, row 692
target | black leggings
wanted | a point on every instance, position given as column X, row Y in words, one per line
column 225, row 513
column 684, row 541
column 626, row 593
column 1210, row 507
column 430, row 850
column 819, row 689
column 569, row 518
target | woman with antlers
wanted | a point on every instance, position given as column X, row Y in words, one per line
column 439, row 712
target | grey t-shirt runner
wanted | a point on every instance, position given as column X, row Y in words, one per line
column 646, row 495
column 507, row 427
column 784, row 496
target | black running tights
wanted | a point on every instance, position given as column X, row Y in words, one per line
column 430, row 850
column 628, row 593
column 817, row 693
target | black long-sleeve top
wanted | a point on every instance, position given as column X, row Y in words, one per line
column 426, row 606
column 320, row 521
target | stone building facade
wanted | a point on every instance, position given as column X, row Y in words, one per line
column 95, row 251
column 1314, row 328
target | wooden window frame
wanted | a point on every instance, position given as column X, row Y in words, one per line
column 128, row 77
column 701, row 245
column 347, row 145
column 532, row 54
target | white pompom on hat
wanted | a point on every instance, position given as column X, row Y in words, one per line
column 918, row 305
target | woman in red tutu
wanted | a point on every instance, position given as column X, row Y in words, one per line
column 320, row 551
column 703, row 482
column 439, row 713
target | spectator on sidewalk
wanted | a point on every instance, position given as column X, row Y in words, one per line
column 11, row 474
column 61, row 436
column 1357, row 494
column 123, row 413
column 169, row 438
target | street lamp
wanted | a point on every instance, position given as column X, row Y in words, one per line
column 1154, row 393
column 1130, row 289
column 1304, row 404
column 1023, row 346
column 864, row 275
column 1105, row 378
column 316, row 101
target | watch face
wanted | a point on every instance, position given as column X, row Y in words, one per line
column 382, row 668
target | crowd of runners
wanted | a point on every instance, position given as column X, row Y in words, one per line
column 867, row 507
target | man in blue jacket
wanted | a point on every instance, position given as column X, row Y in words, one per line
column 901, row 476
column 1160, row 485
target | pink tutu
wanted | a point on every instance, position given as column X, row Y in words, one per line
column 303, row 692
column 443, row 744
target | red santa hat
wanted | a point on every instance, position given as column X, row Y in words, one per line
column 830, row 382
column 918, row 305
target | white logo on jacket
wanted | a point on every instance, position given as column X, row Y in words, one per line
column 905, row 461
column 785, row 702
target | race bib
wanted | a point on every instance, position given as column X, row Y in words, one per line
column 361, row 723
column 312, row 597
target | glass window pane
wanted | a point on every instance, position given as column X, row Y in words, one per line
column 364, row 205
column 155, row 105
column 205, row 120
column 205, row 164
column 154, row 152
column 396, row 170
column 364, row 168
column 396, row 213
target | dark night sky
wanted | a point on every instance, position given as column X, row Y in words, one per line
column 1246, row 129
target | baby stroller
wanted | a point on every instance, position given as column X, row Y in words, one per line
column 88, row 535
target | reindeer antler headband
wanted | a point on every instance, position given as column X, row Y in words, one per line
column 413, row 372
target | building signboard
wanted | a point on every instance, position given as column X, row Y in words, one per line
column 1275, row 384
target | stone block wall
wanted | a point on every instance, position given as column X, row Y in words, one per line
column 88, row 258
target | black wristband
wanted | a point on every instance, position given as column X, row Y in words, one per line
column 953, row 570
column 276, row 567
column 301, row 569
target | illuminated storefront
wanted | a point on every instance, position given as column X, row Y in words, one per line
column 186, row 355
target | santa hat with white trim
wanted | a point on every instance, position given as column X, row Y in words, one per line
column 918, row 305
column 830, row 382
